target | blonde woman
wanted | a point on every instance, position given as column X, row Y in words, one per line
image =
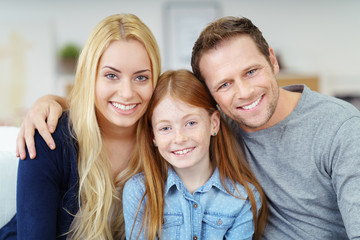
column 73, row 191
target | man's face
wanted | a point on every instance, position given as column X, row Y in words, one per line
column 242, row 81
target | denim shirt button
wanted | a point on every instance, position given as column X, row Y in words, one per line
column 195, row 205
column 219, row 222
column 195, row 237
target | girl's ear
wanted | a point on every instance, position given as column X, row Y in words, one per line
column 154, row 141
column 215, row 123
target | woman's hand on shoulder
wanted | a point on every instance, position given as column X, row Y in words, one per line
column 43, row 116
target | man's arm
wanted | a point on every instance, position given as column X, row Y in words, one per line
column 346, row 174
column 43, row 116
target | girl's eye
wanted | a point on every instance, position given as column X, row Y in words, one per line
column 164, row 129
column 191, row 123
column 141, row 78
column 111, row 76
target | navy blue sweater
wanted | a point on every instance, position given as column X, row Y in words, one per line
column 47, row 189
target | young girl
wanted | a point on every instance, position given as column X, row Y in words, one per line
column 196, row 182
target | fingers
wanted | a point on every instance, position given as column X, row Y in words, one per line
column 53, row 117
column 29, row 140
column 43, row 116
column 43, row 130
column 20, row 143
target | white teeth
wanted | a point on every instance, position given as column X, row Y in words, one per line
column 254, row 104
column 181, row 152
column 123, row 107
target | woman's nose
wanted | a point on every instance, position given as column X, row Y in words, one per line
column 126, row 89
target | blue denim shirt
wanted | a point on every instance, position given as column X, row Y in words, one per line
column 209, row 213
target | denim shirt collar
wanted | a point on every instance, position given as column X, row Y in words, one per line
column 214, row 181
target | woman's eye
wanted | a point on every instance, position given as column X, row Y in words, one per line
column 111, row 76
column 141, row 78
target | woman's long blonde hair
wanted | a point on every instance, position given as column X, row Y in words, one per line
column 100, row 208
column 225, row 153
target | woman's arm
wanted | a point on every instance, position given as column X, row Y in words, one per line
column 39, row 193
column 43, row 116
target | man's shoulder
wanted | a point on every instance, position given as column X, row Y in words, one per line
column 323, row 105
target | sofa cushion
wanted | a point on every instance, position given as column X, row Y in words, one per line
column 8, row 173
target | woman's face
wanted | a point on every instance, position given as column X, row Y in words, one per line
column 124, row 84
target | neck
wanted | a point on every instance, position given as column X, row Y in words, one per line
column 119, row 144
column 193, row 178
column 286, row 103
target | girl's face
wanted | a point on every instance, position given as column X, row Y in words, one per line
column 182, row 133
column 124, row 84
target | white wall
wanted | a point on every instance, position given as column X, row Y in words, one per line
column 313, row 37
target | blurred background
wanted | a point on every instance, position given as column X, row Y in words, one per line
column 316, row 41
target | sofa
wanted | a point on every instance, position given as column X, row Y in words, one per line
column 8, row 173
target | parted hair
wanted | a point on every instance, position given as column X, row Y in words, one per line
column 225, row 153
column 100, row 207
column 222, row 29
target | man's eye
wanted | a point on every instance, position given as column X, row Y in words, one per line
column 251, row 72
column 224, row 85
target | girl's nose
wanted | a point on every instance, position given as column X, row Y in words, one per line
column 180, row 137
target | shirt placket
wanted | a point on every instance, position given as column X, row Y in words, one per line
column 196, row 215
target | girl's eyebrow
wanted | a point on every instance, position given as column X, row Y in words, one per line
column 189, row 115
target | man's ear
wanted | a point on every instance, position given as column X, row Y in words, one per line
column 274, row 61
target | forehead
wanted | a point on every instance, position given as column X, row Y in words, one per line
column 129, row 50
column 239, row 45
column 232, row 55
column 170, row 107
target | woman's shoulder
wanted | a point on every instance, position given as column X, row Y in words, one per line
column 65, row 151
column 63, row 128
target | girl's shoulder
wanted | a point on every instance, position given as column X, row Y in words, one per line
column 239, row 190
column 136, row 182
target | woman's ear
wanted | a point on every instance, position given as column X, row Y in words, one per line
column 215, row 123
column 154, row 141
